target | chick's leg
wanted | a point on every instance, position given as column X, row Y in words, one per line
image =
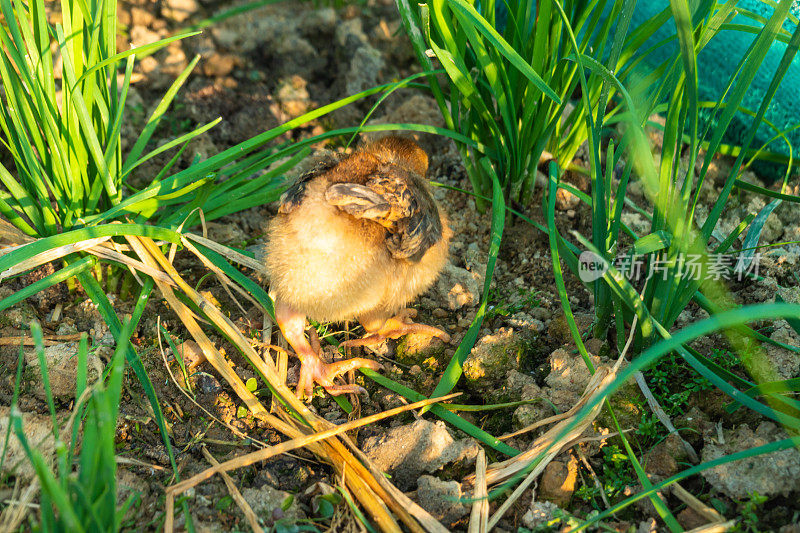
column 380, row 328
column 312, row 368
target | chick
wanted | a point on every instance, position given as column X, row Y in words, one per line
column 356, row 238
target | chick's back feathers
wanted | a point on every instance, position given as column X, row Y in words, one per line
column 382, row 185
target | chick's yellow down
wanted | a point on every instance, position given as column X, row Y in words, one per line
column 356, row 238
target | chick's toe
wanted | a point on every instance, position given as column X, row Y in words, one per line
column 394, row 327
column 312, row 368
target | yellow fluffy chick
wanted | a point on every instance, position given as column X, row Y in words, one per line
column 356, row 238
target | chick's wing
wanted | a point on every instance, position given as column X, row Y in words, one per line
column 293, row 196
column 399, row 200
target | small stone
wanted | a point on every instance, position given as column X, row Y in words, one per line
column 559, row 327
column 558, row 482
column 265, row 499
column 566, row 200
column 458, row 287
column 516, row 382
column 179, row 10
column 525, row 323
column 440, row 498
column 768, row 474
column 440, row 313
column 540, row 313
column 542, row 514
column 529, row 414
column 691, row 519
column 569, row 371
column 141, row 36
column 226, row 233
column 785, row 362
column 365, row 66
column 594, row 346
column 141, row 17
column 190, row 353
column 666, row 457
column 62, row 369
column 639, row 224
column 693, row 424
column 219, row 65
column 648, row 526
column 409, row 451
column 293, row 96
column 39, row 432
column 208, row 384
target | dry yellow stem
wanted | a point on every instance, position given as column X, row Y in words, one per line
column 479, row 517
column 249, row 515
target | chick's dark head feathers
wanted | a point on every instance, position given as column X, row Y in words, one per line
column 401, row 151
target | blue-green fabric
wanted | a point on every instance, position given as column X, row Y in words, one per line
column 718, row 61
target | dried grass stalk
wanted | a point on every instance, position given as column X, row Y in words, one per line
column 545, row 448
column 479, row 517
column 714, row 528
column 709, row 513
column 249, row 515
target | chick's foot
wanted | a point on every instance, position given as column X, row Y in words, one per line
column 394, row 328
column 314, row 370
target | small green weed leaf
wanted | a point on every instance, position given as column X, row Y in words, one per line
column 251, row 384
column 343, row 403
column 653, row 242
column 287, row 502
column 224, row 503
column 753, row 235
column 766, row 192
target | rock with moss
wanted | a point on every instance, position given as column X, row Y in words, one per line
column 416, row 349
column 492, row 357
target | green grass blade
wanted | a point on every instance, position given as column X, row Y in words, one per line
column 502, row 47
column 155, row 118
column 112, row 230
column 449, row 417
column 452, row 373
column 106, row 310
column 64, row 274
column 561, row 288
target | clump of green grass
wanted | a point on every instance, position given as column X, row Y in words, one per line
column 80, row 494
column 513, row 76
column 63, row 132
